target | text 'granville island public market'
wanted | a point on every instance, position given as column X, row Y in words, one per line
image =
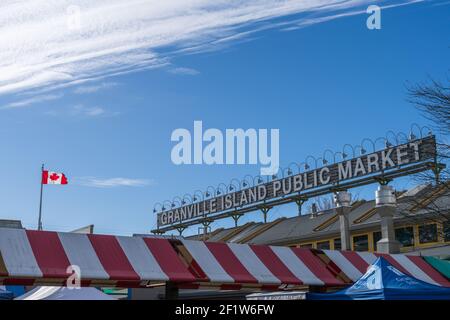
column 389, row 158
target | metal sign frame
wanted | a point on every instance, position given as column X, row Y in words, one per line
column 415, row 156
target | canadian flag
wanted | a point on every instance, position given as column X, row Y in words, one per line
column 49, row 177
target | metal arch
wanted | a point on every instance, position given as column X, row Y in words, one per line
column 419, row 129
column 336, row 153
column 298, row 165
column 176, row 204
column 232, row 186
column 430, row 132
column 174, row 200
column 393, row 135
column 156, row 204
column 241, row 185
column 361, row 149
column 369, row 140
column 189, row 197
column 307, row 166
column 164, row 205
column 330, row 151
column 208, row 194
column 196, row 192
column 402, row 134
column 380, row 138
column 275, row 176
column 324, row 161
column 351, row 146
column 260, row 180
column 289, row 172
column 247, row 181
column 222, row 190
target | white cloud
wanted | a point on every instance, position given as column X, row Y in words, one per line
column 184, row 71
column 29, row 101
column 437, row 4
column 42, row 46
column 113, row 182
column 87, row 111
column 80, row 110
column 94, row 87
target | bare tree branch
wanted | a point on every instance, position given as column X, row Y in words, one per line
column 433, row 100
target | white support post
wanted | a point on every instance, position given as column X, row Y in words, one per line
column 386, row 204
column 342, row 201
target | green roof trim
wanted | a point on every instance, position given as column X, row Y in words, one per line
column 443, row 266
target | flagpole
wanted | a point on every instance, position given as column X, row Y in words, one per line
column 40, row 203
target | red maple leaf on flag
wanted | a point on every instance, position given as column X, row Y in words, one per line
column 54, row 177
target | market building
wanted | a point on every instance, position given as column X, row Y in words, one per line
column 321, row 251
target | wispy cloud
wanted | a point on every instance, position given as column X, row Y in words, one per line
column 88, row 111
column 94, row 87
column 113, row 182
column 302, row 23
column 80, row 110
column 52, row 44
column 29, row 101
column 184, row 71
column 443, row 3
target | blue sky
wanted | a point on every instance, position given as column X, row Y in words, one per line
column 322, row 85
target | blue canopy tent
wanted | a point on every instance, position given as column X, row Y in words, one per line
column 383, row 281
column 17, row 291
column 5, row 295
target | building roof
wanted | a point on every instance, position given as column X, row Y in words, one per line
column 15, row 224
column 44, row 257
column 104, row 258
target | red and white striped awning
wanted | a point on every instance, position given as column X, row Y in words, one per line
column 231, row 263
column 31, row 257
column 41, row 257
column 355, row 264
